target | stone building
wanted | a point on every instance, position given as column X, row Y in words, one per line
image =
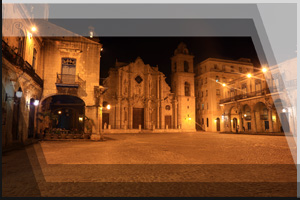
column 259, row 103
column 59, row 74
column 211, row 76
column 21, row 74
column 139, row 97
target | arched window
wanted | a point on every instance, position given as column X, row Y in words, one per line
column 186, row 66
column 187, row 89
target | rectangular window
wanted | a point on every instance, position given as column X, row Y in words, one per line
column 68, row 70
column 215, row 66
column 202, row 106
column 223, row 68
column 258, row 86
column 206, row 92
column 207, row 106
column 241, row 69
column 232, row 93
column 202, row 94
column 232, row 68
column 218, row 92
column 244, row 89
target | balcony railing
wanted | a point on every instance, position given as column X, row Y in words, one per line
column 250, row 95
column 67, row 80
column 18, row 61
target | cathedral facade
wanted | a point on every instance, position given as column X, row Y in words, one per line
column 140, row 98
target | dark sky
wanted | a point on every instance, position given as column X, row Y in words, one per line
column 158, row 50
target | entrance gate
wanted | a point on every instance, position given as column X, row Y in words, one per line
column 138, row 118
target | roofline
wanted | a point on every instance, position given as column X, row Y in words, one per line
column 226, row 60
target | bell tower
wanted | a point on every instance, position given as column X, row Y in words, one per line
column 183, row 87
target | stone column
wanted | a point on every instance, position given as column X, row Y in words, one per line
column 270, row 120
column 240, row 122
column 253, row 121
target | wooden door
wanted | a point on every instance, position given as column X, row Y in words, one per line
column 138, row 118
column 105, row 119
column 218, row 124
column 168, row 121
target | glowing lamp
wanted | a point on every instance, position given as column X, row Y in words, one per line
column 264, row 70
column 33, row 29
column 249, row 75
column 224, row 84
column 19, row 93
column 284, row 110
column 36, row 102
column 59, row 112
column 245, row 115
column 80, row 119
column 108, row 107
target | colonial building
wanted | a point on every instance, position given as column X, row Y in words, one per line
column 139, row 97
column 59, row 74
column 212, row 75
column 261, row 102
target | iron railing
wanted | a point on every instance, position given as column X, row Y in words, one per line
column 250, row 95
column 67, row 79
column 15, row 59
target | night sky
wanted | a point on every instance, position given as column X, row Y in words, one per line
column 159, row 50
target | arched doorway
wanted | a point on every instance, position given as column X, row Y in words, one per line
column 69, row 111
column 261, row 117
column 218, row 124
column 234, row 115
column 246, row 118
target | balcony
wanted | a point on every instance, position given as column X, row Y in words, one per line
column 250, row 95
column 67, row 80
column 18, row 61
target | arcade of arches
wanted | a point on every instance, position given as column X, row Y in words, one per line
column 255, row 116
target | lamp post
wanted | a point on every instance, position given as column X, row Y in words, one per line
column 99, row 91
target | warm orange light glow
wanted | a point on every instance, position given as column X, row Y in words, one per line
column 190, row 118
column 33, row 29
column 101, row 49
column 224, row 84
column 59, row 112
column 264, row 70
column 249, row 75
column 108, row 107
column 80, row 119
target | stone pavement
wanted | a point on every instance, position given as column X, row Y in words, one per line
column 164, row 164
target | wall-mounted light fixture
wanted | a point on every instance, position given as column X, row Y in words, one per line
column 19, row 94
column 36, row 102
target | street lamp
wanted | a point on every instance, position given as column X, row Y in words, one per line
column 33, row 29
column 249, row 75
column 264, row 69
